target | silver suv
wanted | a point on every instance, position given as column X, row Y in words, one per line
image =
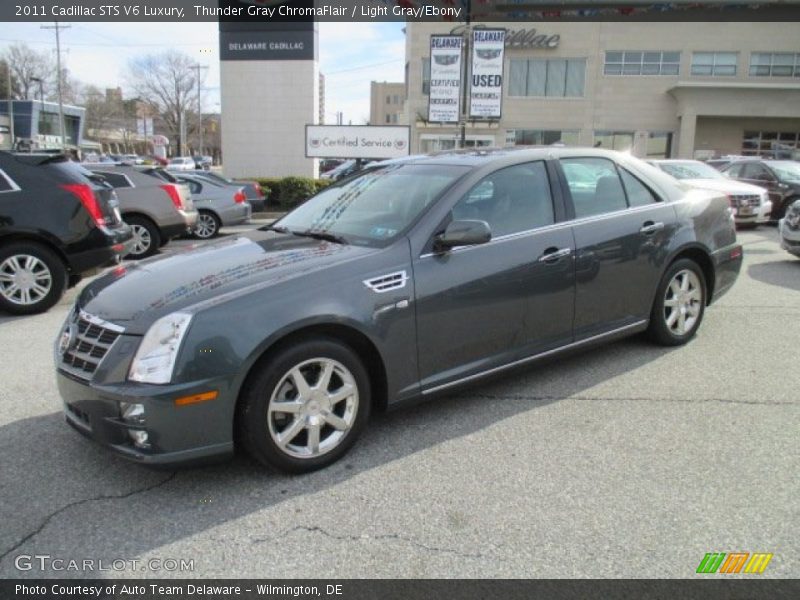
column 155, row 205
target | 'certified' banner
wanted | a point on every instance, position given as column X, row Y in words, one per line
column 486, row 86
column 444, row 99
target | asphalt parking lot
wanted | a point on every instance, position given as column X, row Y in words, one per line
column 626, row 461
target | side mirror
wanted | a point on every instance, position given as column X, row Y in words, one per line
column 463, row 233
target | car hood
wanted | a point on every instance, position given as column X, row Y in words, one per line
column 729, row 186
column 134, row 296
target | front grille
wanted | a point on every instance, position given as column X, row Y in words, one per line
column 90, row 340
column 751, row 200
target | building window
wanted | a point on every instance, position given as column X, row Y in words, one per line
column 426, row 76
column 659, row 144
column 717, row 64
column 772, row 144
column 554, row 78
column 48, row 124
column 642, row 63
column 388, row 99
column 388, row 118
column 614, row 140
column 774, row 64
column 545, row 137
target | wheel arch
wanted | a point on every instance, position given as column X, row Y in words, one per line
column 701, row 256
column 20, row 236
column 351, row 336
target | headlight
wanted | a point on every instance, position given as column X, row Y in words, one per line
column 155, row 358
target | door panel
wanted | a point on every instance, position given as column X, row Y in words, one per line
column 620, row 251
column 483, row 306
column 487, row 305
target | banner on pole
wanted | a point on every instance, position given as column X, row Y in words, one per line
column 486, row 83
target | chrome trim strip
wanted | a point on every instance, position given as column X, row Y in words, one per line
column 12, row 184
column 100, row 322
column 554, row 227
column 532, row 358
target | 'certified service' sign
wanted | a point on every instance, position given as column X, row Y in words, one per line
column 356, row 141
column 486, row 86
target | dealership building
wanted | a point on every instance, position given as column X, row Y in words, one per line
column 654, row 89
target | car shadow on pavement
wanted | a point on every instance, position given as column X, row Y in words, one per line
column 785, row 273
column 67, row 496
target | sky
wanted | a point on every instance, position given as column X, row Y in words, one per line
column 350, row 55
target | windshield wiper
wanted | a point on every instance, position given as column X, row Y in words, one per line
column 321, row 235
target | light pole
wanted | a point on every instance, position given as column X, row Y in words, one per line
column 58, row 29
column 41, row 99
column 197, row 67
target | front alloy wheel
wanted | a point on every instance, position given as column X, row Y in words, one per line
column 313, row 408
column 304, row 406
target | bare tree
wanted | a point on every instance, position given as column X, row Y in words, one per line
column 166, row 81
column 28, row 65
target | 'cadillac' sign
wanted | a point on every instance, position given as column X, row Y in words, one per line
column 356, row 141
column 486, row 85
column 444, row 99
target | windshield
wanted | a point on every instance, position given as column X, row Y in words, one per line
column 786, row 170
column 691, row 170
column 374, row 208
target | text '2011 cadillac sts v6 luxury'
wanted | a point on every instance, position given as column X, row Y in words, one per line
column 400, row 282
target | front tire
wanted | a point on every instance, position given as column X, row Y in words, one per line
column 305, row 406
column 32, row 278
column 679, row 304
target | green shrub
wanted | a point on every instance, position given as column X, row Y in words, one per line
column 287, row 192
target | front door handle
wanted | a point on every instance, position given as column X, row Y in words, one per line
column 551, row 255
column 649, row 227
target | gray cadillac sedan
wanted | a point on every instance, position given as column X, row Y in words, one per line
column 401, row 282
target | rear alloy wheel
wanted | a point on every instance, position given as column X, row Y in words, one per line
column 307, row 407
column 146, row 237
column 208, row 225
column 32, row 278
column 679, row 305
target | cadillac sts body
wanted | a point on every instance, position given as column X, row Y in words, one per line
column 401, row 282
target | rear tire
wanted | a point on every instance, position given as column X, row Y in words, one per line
column 208, row 225
column 146, row 236
column 304, row 406
column 32, row 278
column 679, row 304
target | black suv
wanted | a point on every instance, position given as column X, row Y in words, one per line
column 57, row 223
column 781, row 178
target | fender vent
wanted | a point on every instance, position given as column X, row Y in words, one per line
column 387, row 283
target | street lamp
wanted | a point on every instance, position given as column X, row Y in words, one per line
column 41, row 100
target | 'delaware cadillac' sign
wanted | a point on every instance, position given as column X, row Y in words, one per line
column 444, row 98
column 486, row 85
column 356, row 141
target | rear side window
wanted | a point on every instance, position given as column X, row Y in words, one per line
column 734, row 171
column 194, row 187
column 755, row 171
column 594, row 185
column 638, row 193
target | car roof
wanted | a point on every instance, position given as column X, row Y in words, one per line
column 475, row 157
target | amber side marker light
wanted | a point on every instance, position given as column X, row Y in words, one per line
column 196, row 398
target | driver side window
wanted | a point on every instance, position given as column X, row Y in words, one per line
column 510, row 200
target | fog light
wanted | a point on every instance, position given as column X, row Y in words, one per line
column 139, row 437
column 132, row 413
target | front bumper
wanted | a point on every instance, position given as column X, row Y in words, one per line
column 749, row 215
column 177, row 435
column 790, row 238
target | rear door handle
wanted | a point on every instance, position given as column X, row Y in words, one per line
column 551, row 255
column 649, row 228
